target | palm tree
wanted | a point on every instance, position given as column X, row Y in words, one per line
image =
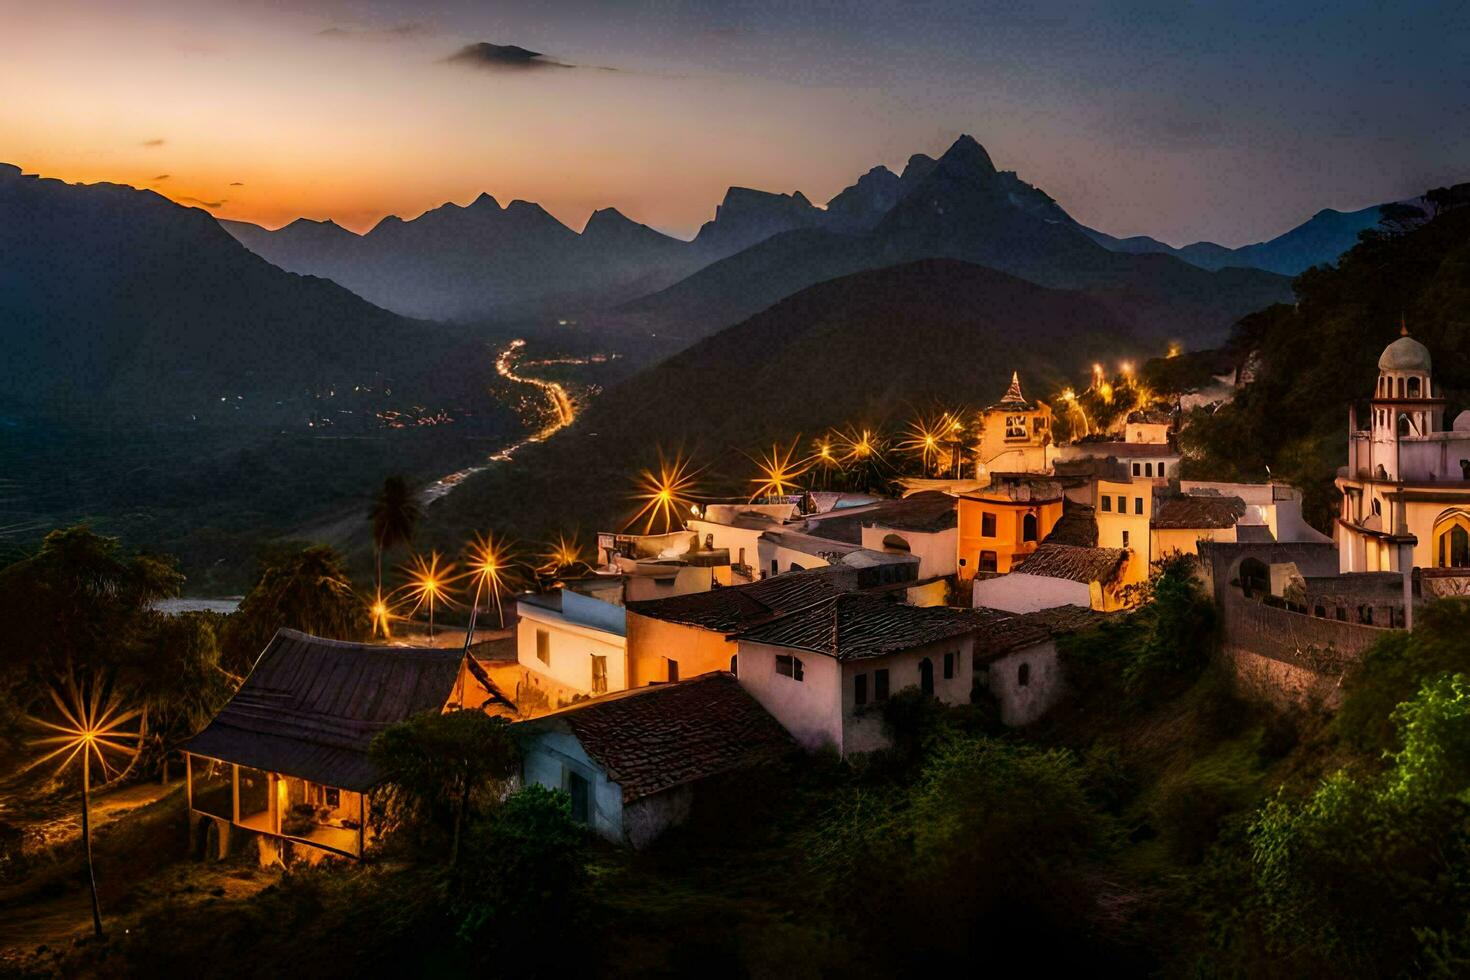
column 394, row 515
column 307, row 590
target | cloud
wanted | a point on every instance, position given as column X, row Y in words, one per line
column 156, row 141
column 502, row 57
column 161, row 177
column 237, row 183
column 203, row 204
column 398, row 32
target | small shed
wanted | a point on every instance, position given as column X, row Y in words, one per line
column 287, row 756
column 630, row 760
column 1016, row 659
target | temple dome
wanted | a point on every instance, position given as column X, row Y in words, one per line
column 1405, row 354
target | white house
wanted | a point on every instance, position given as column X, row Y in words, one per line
column 569, row 644
column 1057, row 575
column 825, row 670
column 1016, row 660
column 631, row 761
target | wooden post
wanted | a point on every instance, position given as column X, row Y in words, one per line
column 234, row 793
column 189, row 778
column 87, row 836
column 361, row 822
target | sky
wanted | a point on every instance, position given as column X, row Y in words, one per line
column 1185, row 121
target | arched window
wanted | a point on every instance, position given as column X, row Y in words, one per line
column 1452, row 543
column 1404, row 426
column 1255, row 577
column 926, row 676
column 734, row 664
column 1401, row 387
column 1028, row 527
column 893, row 542
column 1148, row 469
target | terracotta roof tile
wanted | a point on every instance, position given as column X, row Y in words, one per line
column 729, row 608
column 1003, row 633
column 1074, row 563
column 1186, row 511
column 651, row 739
column 854, row 626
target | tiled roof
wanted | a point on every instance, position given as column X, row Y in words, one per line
column 310, row 706
column 650, row 739
column 1074, row 563
column 928, row 512
column 727, row 609
column 853, row 626
column 1077, row 526
column 1187, row 511
column 1002, row 633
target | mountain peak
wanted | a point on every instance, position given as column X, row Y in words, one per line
column 967, row 153
column 485, row 201
column 607, row 218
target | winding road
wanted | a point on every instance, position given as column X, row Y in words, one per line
column 563, row 413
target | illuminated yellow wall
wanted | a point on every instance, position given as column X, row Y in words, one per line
column 696, row 650
column 1006, row 542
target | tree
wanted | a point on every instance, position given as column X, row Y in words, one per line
column 190, row 685
column 307, row 590
column 437, row 767
column 394, row 516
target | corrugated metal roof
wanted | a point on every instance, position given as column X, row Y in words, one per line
column 311, row 706
column 650, row 739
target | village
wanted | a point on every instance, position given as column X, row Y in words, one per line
column 711, row 635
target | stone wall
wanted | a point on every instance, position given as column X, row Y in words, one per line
column 1288, row 658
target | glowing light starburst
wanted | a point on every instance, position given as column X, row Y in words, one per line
column 923, row 440
column 429, row 584
column 861, row 445
column 92, row 726
column 564, row 552
column 382, row 616
column 492, row 566
column 779, row 471
column 664, row 493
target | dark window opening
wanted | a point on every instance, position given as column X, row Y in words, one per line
column 926, row 676
column 987, row 525
column 1138, row 505
column 949, row 659
column 788, row 666
column 860, row 689
column 580, row 791
column 1023, row 675
column 1028, row 527
column 599, row 674
column 880, row 684
column 1137, row 469
column 988, row 561
column 673, row 666
column 1148, row 469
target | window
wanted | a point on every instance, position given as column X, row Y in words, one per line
column 1122, row 504
column 788, row 666
column 949, row 659
column 673, row 669
column 1015, row 427
column 860, row 689
column 1137, row 469
column 1161, row 471
column 989, row 562
column 1107, row 504
column 599, row 674
column 775, row 570
column 1028, row 527
column 880, row 685
column 926, row 676
column 1365, row 615
column 1454, row 547
column 1023, row 675
column 1148, row 469
column 735, row 665
column 1321, row 612
column 1413, row 387
column 579, row 790
column 1036, row 425
column 543, row 647
column 333, row 796
column 987, row 525
column 1138, row 505
column 1125, row 539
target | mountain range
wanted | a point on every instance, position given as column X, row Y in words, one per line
column 488, row 261
column 117, row 302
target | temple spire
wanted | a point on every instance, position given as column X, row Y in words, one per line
column 1403, row 325
column 1013, row 393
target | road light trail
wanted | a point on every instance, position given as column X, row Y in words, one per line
column 563, row 414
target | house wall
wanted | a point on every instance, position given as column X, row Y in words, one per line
column 696, row 650
column 821, row 710
column 1112, row 525
column 1146, row 433
column 1021, row 704
column 1026, row 455
column 550, row 755
column 786, row 559
column 936, row 551
column 645, row 819
column 735, row 539
column 810, row 709
column 1006, row 543
column 572, row 648
column 1022, row 593
column 1185, row 540
column 862, row 727
column 639, row 586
